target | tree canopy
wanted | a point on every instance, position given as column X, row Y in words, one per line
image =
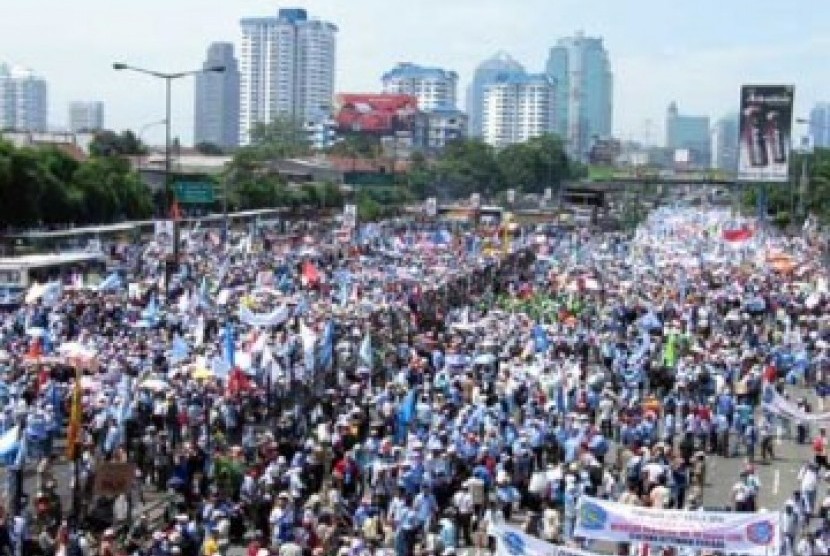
column 783, row 201
column 469, row 165
column 110, row 143
column 45, row 186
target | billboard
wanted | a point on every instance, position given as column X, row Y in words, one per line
column 381, row 114
column 766, row 133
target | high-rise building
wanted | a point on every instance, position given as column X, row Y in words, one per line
column 727, row 135
column 86, row 115
column 24, row 101
column 517, row 108
column 216, row 102
column 689, row 133
column 820, row 125
column 584, row 92
column 499, row 66
column 286, row 69
column 433, row 87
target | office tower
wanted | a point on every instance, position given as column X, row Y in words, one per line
column 216, row 102
column 689, row 133
column 286, row 69
column 433, row 87
column 517, row 108
column 24, row 102
column 584, row 92
column 727, row 137
column 820, row 125
column 86, row 116
column 499, row 66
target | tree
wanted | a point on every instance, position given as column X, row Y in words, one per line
column 209, row 149
column 109, row 143
column 278, row 139
column 46, row 186
column 534, row 165
column 356, row 145
column 467, row 166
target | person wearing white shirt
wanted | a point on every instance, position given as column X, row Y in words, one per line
column 808, row 484
column 806, row 546
column 463, row 502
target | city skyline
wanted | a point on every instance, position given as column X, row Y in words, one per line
column 696, row 54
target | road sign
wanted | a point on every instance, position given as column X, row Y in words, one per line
column 194, row 192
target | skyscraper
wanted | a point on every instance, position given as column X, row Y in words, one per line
column 286, row 69
column 517, row 108
column 434, row 87
column 691, row 133
column 499, row 66
column 727, row 136
column 216, row 103
column 820, row 125
column 86, row 116
column 24, row 102
column 584, row 91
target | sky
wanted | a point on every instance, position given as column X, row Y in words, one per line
column 695, row 52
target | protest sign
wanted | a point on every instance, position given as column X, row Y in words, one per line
column 753, row 534
column 777, row 404
column 113, row 478
column 512, row 541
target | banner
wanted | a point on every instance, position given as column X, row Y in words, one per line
column 765, row 133
column 274, row 318
column 113, row 478
column 512, row 541
column 752, row 534
column 775, row 403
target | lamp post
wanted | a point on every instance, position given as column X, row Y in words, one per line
column 803, row 182
column 168, row 78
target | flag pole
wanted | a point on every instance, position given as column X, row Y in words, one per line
column 19, row 469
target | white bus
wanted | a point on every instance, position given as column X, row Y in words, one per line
column 26, row 270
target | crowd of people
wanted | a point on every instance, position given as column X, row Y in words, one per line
column 405, row 390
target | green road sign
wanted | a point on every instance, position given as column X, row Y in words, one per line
column 194, row 192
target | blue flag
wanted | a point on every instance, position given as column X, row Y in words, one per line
column 365, row 352
column 540, row 339
column 230, row 346
column 406, row 413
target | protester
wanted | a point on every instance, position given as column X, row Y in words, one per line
column 410, row 389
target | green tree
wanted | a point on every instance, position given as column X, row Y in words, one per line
column 210, row 149
column 467, row 166
column 356, row 145
column 281, row 138
column 367, row 208
column 535, row 164
column 109, row 143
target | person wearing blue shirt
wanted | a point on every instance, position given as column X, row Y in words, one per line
column 448, row 531
column 425, row 506
column 480, row 471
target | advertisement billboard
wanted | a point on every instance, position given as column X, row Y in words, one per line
column 381, row 114
column 766, row 133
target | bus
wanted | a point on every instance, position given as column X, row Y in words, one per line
column 93, row 237
column 25, row 270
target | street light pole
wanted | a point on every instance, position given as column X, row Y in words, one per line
column 168, row 190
